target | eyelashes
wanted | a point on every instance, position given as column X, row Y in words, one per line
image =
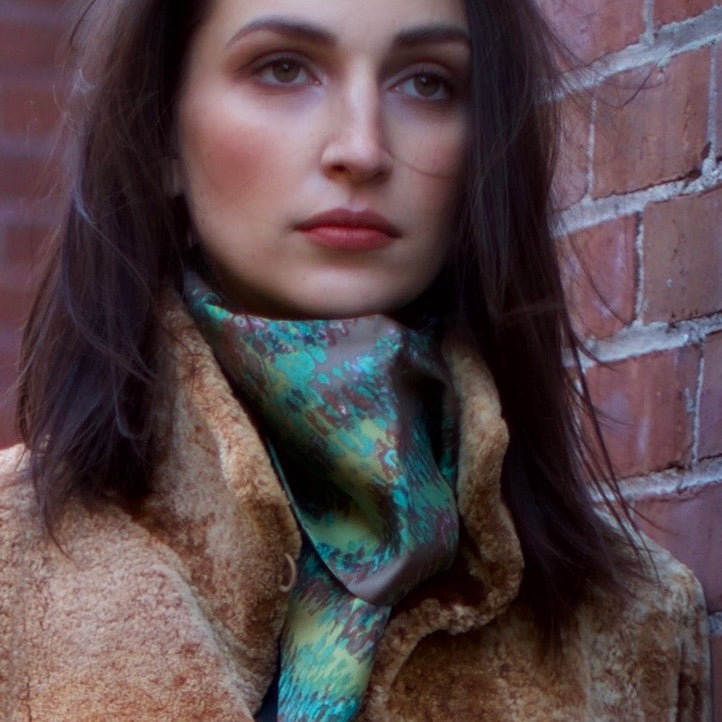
column 427, row 85
column 423, row 83
column 283, row 71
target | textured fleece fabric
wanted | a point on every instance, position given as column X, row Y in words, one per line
column 173, row 615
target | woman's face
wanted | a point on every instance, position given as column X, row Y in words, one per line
column 321, row 147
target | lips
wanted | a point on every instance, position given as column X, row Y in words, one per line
column 346, row 230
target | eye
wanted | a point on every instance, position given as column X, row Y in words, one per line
column 426, row 85
column 283, row 71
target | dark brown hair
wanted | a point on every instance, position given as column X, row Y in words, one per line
column 88, row 371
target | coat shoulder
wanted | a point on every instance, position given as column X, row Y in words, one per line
column 637, row 655
column 665, row 586
column 104, row 623
column 652, row 640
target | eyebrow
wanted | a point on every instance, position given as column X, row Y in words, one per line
column 432, row 33
column 286, row 27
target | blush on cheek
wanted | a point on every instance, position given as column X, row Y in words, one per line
column 226, row 161
column 432, row 148
column 448, row 157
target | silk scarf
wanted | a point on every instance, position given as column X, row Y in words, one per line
column 360, row 427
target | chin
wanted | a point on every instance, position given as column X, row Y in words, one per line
column 352, row 310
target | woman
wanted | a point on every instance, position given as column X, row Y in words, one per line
column 301, row 443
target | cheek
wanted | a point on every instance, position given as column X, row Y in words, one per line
column 433, row 142
column 448, row 159
column 435, row 158
column 225, row 161
column 441, row 186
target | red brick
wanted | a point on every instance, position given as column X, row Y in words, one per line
column 26, row 178
column 25, row 45
column 683, row 257
column 8, row 434
column 672, row 11
column 716, row 650
column 55, row 4
column 570, row 179
column 710, row 409
column 643, row 405
column 9, row 345
column 651, row 125
column 15, row 296
column 29, row 109
column 688, row 525
column 24, row 245
column 600, row 269
column 591, row 29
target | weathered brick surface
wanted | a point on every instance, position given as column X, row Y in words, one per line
column 652, row 125
column 22, row 246
column 28, row 45
column 9, row 343
column 683, row 257
column 671, row 11
column 600, row 272
column 688, row 524
column 710, row 411
column 14, row 296
column 25, row 177
column 30, row 84
column 591, row 29
column 645, row 412
column 570, row 180
column 29, row 109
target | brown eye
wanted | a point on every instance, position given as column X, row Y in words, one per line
column 427, row 86
column 285, row 71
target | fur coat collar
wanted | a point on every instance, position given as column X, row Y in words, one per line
column 174, row 614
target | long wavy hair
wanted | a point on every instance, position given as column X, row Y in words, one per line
column 88, row 366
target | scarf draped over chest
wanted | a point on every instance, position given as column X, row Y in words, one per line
column 360, row 424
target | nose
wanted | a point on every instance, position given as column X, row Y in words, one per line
column 356, row 149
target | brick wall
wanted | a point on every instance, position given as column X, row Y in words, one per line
column 641, row 191
column 30, row 89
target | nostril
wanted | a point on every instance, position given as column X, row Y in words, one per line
column 356, row 148
column 356, row 160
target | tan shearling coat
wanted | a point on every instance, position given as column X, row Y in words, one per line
column 173, row 616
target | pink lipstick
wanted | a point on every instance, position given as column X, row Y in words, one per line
column 345, row 230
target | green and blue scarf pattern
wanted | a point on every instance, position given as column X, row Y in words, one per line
column 348, row 408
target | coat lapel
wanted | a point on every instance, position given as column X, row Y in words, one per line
column 218, row 504
column 487, row 573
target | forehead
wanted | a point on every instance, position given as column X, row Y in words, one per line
column 366, row 20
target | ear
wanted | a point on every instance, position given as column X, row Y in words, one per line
column 171, row 177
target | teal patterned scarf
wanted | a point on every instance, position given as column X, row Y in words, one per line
column 348, row 408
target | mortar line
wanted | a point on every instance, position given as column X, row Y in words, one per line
column 589, row 212
column 668, row 483
column 649, row 21
column 591, row 142
column 639, row 274
column 667, row 42
column 697, row 402
column 714, row 90
column 673, row 481
column 639, row 340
